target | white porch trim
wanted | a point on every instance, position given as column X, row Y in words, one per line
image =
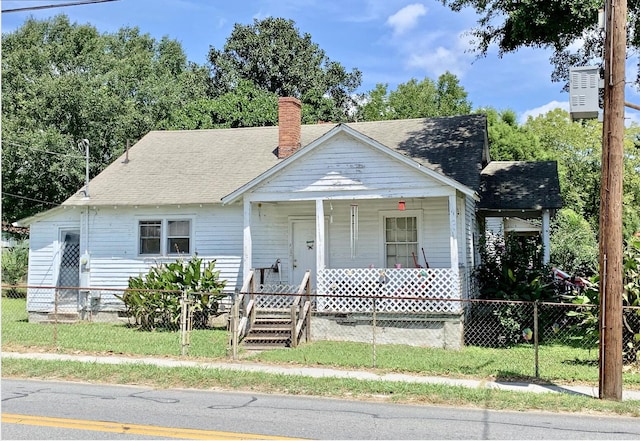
column 246, row 240
column 320, row 237
column 453, row 236
column 546, row 245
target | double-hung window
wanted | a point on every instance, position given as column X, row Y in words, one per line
column 400, row 241
column 165, row 236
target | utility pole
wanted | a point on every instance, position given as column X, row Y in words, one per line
column 611, row 289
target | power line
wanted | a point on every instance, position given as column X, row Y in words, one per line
column 28, row 199
column 58, row 5
column 69, row 155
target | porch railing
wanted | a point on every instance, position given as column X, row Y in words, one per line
column 351, row 289
column 243, row 312
column 301, row 311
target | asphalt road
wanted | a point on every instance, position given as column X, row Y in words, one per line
column 63, row 410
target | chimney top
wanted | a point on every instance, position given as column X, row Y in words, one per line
column 289, row 126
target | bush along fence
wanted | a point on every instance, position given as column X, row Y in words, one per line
column 136, row 321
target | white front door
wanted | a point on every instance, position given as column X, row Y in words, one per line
column 303, row 249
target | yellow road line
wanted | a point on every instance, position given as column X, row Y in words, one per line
column 136, row 429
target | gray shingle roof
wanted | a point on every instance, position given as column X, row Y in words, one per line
column 202, row 166
column 530, row 185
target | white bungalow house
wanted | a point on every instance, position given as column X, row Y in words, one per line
column 393, row 205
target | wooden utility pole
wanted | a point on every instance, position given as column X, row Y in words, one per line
column 611, row 290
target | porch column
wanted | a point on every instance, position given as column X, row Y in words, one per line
column 546, row 254
column 320, row 235
column 246, row 239
column 453, row 241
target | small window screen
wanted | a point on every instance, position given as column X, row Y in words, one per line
column 178, row 240
column 150, row 232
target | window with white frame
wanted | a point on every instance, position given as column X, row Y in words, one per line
column 400, row 241
column 165, row 236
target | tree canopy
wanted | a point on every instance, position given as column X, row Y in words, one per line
column 275, row 57
column 577, row 147
column 568, row 27
column 63, row 82
column 416, row 99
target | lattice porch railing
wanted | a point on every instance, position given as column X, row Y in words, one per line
column 397, row 290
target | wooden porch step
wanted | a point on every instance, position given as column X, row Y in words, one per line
column 271, row 329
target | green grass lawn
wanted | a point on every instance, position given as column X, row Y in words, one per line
column 557, row 363
column 353, row 389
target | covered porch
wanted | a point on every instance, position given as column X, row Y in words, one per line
column 412, row 254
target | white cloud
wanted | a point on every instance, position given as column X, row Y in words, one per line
column 425, row 54
column 436, row 62
column 564, row 105
column 406, row 18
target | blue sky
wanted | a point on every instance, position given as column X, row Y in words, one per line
column 389, row 41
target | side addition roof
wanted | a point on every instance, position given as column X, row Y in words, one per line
column 519, row 187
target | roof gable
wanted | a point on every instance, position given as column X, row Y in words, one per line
column 345, row 160
column 454, row 146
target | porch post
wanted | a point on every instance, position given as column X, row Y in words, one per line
column 246, row 239
column 320, row 234
column 453, row 242
column 546, row 256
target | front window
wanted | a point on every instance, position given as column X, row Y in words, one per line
column 178, row 236
column 150, row 232
column 163, row 237
column 401, row 241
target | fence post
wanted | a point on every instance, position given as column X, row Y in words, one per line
column 308, row 318
column 373, row 337
column 55, row 318
column 235, row 316
column 535, row 337
column 183, row 323
column 294, row 319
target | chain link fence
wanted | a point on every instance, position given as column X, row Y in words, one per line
column 183, row 324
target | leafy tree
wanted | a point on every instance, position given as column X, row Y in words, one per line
column 272, row 54
column 63, row 82
column 574, row 246
column 244, row 106
column 415, row 99
column 568, row 27
column 577, row 146
column 508, row 141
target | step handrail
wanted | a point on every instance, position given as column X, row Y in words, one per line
column 300, row 311
column 243, row 316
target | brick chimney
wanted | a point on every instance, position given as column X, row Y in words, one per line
column 289, row 121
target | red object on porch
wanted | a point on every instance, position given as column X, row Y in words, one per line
column 401, row 205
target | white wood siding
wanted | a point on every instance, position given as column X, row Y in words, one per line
column 113, row 246
column 270, row 232
column 344, row 164
column 44, row 261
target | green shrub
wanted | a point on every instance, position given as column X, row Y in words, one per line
column 154, row 299
column 587, row 327
column 15, row 263
column 511, row 269
column 574, row 245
